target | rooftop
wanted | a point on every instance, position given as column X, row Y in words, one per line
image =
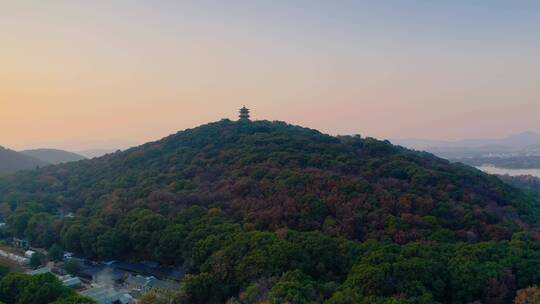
column 38, row 271
column 106, row 295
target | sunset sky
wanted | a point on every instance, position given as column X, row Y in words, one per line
column 109, row 74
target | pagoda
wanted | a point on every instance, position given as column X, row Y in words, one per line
column 244, row 113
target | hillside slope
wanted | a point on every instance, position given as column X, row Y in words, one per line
column 11, row 161
column 275, row 175
column 265, row 208
column 53, row 156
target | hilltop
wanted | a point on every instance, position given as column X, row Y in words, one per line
column 53, row 156
column 244, row 202
column 12, row 161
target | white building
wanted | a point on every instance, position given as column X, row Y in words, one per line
column 14, row 257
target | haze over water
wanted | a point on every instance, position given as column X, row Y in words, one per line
column 511, row 172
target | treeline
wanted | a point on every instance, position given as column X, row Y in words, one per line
column 229, row 261
column 291, row 267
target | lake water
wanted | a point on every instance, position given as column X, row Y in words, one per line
column 512, row 172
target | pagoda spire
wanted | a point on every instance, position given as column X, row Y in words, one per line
column 244, row 113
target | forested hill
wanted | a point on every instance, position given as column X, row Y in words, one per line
column 274, row 175
column 189, row 197
column 53, row 156
column 12, row 161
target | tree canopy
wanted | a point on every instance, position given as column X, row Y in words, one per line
column 268, row 212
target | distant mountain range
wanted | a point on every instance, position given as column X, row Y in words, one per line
column 12, row 161
column 53, row 156
column 526, row 143
column 92, row 153
column 518, row 151
column 525, row 140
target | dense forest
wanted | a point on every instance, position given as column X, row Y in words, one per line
column 266, row 212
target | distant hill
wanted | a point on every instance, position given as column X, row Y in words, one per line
column 514, row 142
column 53, row 156
column 527, row 182
column 483, row 151
column 508, row 162
column 12, row 161
column 92, row 153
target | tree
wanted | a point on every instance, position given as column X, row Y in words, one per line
column 75, row 299
column 161, row 297
column 35, row 260
column 72, row 267
column 56, row 253
column 41, row 289
column 3, row 271
column 530, row 295
column 18, row 222
column 346, row 296
column 19, row 288
column 110, row 245
column 40, row 230
column 499, row 290
column 12, row 286
column 171, row 245
column 200, row 288
column 71, row 237
column 295, row 288
column 145, row 231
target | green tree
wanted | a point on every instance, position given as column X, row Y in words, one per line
column 75, row 299
column 41, row 230
column 294, row 287
column 200, row 289
column 18, row 222
column 110, row 245
column 145, row 228
column 12, row 286
column 71, row 237
column 72, row 267
column 42, row 289
column 171, row 244
column 346, row 296
column 161, row 297
column 18, row 288
column 4, row 270
column 56, row 253
column 35, row 260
